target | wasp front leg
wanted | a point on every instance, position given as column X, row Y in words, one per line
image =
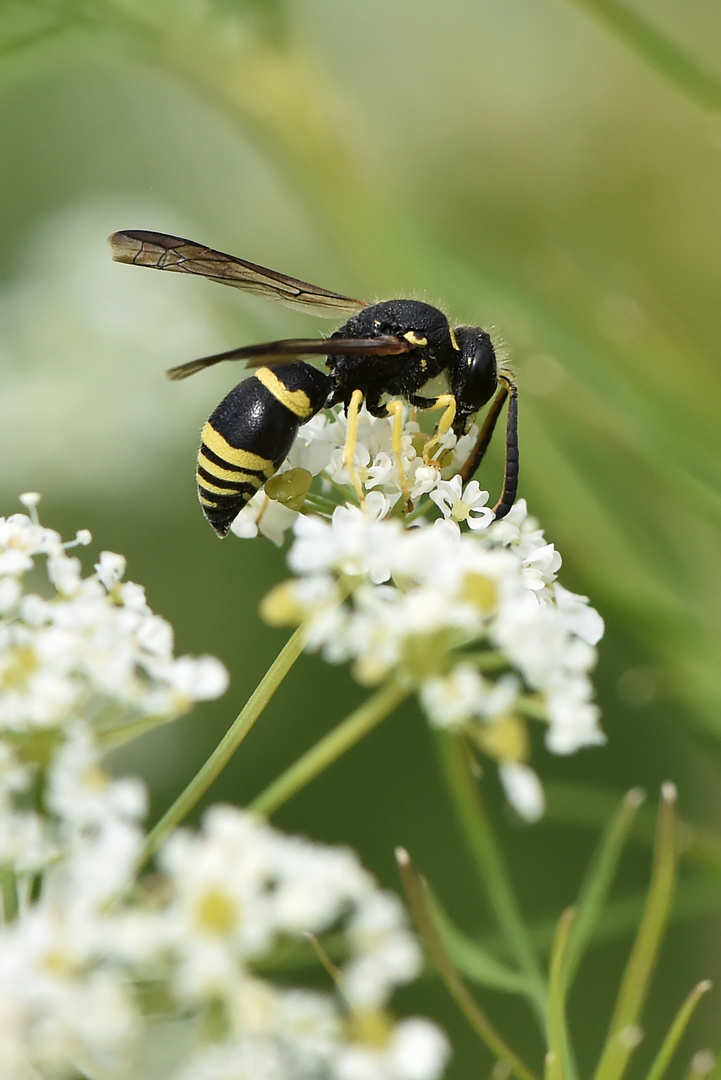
column 447, row 402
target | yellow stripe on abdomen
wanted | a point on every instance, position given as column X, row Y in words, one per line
column 220, row 473
column 296, row 401
column 253, row 481
column 234, row 455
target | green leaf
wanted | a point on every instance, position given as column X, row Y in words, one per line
column 472, row 959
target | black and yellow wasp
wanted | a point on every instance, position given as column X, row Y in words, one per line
column 386, row 350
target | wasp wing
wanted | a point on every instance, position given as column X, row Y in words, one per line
column 285, row 352
column 163, row 252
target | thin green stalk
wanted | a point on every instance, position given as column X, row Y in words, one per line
column 318, row 503
column 675, row 1032
column 112, row 738
column 597, row 882
column 332, row 969
column 489, row 863
column 559, row 1061
column 225, row 749
column 330, row 748
column 658, row 51
column 416, row 895
column 9, row 887
column 590, row 807
column 623, row 1031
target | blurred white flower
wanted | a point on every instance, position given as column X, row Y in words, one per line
column 78, row 962
column 414, row 1050
column 523, row 790
column 90, row 646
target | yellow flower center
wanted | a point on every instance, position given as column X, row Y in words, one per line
column 460, row 510
column 217, row 913
column 481, row 591
column 370, row 1028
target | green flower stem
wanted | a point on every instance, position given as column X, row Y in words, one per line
column 330, row 748
column 658, row 51
column 112, row 738
column 584, row 806
column 225, row 749
column 9, row 887
column 597, row 882
column 622, row 1040
column 489, row 863
column 317, row 503
column 559, row 1061
column 675, row 1032
column 416, row 895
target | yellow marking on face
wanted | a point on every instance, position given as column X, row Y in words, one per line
column 424, row 363
column 297, row 401
column 254, row 480
column 415, row 339
column 454, row 339
column 233, row 455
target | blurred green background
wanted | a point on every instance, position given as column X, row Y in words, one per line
column 516, row 163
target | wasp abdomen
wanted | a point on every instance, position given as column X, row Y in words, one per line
column 248, row 436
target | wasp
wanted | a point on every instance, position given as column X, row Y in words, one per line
column 383, row 355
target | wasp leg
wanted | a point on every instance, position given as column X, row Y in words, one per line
column 448, row 403
column 395, row 409
column 507, row 389
column 350, row 442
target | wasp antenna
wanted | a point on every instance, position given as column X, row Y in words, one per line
column 485, row 434
column 510, row 473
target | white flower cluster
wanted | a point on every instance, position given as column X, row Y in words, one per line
column 84, row 647
column 81, row 970
column 318, row 451
column 464, row 609
column 87, row 964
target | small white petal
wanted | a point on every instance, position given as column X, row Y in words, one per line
column 523, row 790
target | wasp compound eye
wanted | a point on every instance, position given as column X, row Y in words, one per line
column 476, row 374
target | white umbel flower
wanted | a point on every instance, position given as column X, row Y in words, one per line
column 85, row 646
column 467, row 610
